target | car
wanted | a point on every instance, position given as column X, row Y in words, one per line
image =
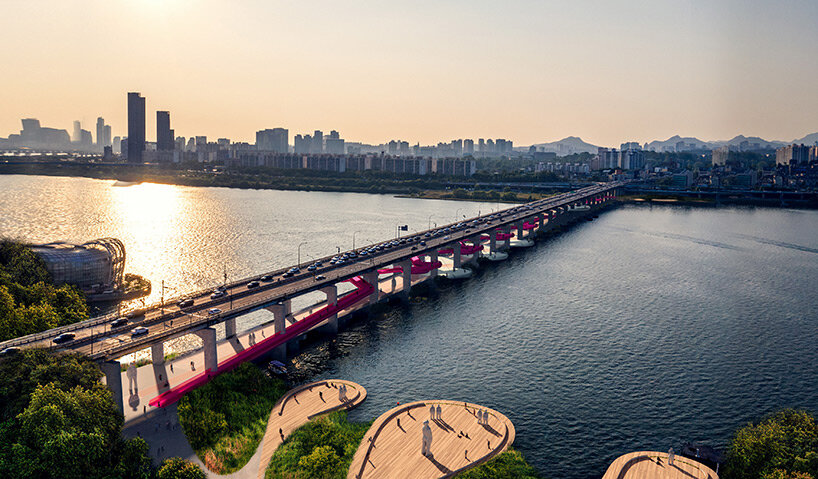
column 423, row 243
column 118, row 323
column 414, row 247
column 64, row 338
column 267, row 277
column 318, row 264
column 217, row 294
column 134, row 314
column 320, row 277
column 185, row 303
column 252, row 284
column 287, row 274
column 311, row 268
column 141, row 330
column 223, row 289
column 214, row 311
column 9, row 351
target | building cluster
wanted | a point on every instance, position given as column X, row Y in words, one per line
column 38, row 137
column 796, row 155
column 342, row 163
column 630, row 156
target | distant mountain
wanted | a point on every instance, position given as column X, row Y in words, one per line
column 567, row 146
column 810, row 139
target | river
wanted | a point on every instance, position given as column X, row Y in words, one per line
column 648, row 327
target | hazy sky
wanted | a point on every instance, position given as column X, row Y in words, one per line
column 427, row 71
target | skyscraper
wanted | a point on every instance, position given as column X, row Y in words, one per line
column 136, row 127
column 164, row 135
column 276, row 140
column 106, row 136
column 101, row 132
column 77, row 136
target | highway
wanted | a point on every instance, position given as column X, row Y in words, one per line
column 98, row 339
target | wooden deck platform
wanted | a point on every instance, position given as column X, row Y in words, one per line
column 301, row 404
column 392, row 446
column 654, row 465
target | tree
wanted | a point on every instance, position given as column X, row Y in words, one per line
column 783, row 445
column 322, row 462
column 178, row 468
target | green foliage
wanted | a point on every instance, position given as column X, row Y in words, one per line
column 322, row 448
column 508, row 465
column 784, row 445
column 58, row 420
column 29, row 302
column 178, row 468
column 225, row 419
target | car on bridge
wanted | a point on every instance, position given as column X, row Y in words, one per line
column 214, row 311
column 253, row 284
column 185, row 303
column 217, row 294
column 64, row 338
column 320, row 277
column 118, row 323
column 267, row 277
column 140, row 331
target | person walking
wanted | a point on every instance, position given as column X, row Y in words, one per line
column 439, row 415
column 432, row 412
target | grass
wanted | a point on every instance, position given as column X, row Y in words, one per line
column 321, row 449
column 510, row 464
column 225, row 419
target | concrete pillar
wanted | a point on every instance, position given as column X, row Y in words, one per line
column 158, row 354
column 475, row 242
column 211, row 359
column 406, row 275
column 540, row 222
column 113, row 379
column 371, row 277
column 230, row 327
column 493, row 241
column 507, row 241
column 279, row 311
column 332, row 299
column 433, row 258
column 456, row 254
column 519, row 230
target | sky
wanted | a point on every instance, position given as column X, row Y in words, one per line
column 423, row 71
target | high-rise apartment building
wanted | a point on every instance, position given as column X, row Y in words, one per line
column 792, row 155
column 275, row 140
column 317, row 142
column 101, row 132
column 106, row 136
column 136, row 127
column 164, row 135
column 76, row 137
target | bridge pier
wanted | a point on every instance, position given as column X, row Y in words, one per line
column 493, row 241
column 371, row 277
column 281, row 311
column 211, row 358
column 113, row 379
column 433, row 259
column 519, row 226
column 406, row 277
column 230, row 328
column 456, row 257
column 160, row 372
column 332, row 300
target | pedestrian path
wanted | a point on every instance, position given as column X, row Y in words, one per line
column 299, row 406
column 656, row 465
column 459, row 441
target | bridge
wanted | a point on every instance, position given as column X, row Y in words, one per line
column 413, row 259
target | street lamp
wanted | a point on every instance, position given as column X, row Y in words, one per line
column 353, row 239
column 299, row 253
column 430, row 222
column 456, row 213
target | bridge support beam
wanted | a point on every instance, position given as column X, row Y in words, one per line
column 160, row 372
column 230, row 328
column 113, row 379
column 456, row 257
column 332, row 300
column 371, row 277
column 211, row 359
column 406, row 277
column 519, row 227
column 493, row 241
column 280, row 312
column 433, row 259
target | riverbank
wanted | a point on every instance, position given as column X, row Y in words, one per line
column 691, row 198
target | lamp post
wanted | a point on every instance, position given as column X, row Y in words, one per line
column 353, row 239
column 430, row 222
column 299, row 253
column 456, row 213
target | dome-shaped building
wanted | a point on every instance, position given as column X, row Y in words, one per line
column 95, row 264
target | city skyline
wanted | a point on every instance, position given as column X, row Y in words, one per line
column 422, row 73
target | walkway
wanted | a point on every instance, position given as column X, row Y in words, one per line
column 654, row 465
column 392, row 446
column 299, row 406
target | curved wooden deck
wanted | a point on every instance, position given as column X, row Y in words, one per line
column 300, row 405
column 391, row 447
column 654, row 465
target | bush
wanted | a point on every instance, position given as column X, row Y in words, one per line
column 178, row 468
column 225, row 419
column 322, row 448
column 509, row 464
column 783, row 445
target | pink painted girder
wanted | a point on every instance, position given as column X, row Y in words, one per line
column 174, row 394
column 418, row 267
